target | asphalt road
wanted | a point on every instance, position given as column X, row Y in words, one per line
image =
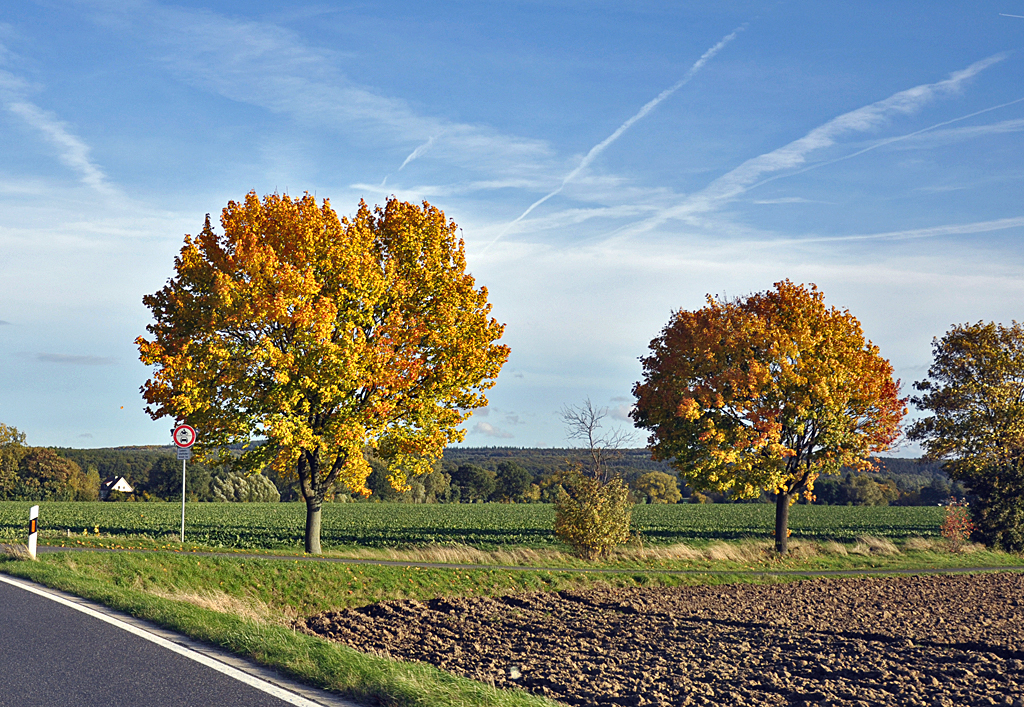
column 54, row 655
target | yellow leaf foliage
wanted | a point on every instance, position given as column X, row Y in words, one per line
column 324, row 336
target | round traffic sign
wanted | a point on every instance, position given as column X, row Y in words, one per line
column 184, row 436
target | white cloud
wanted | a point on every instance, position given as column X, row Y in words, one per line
column 488, row 430
column 621, row 412
column 75, row 360
column 265, row 65
column 927, row 136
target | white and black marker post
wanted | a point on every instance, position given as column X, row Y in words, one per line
column 184, row 437
column 33, row 530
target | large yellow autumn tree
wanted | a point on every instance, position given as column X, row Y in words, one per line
column 321, row 338
column 766, row 393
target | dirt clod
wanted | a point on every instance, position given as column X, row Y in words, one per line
column 931, row 640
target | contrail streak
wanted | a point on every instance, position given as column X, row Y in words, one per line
column 883, row 143
column 600, row 147
column 73, row 152
column 932, row 232
column 412, row 155
column 417, row 152
column 794, row 155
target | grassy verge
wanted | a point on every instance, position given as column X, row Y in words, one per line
column 242, row 624
column 246, row 605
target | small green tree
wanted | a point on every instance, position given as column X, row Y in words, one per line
column 975, row 396
column 593, row 508
column 91, row 490
column 12, row 450
column 475, row 483
column 512, row 482
column 79, row 486
column 591, row 517
column 379, row 483
column 659, row 487
column 437, row 486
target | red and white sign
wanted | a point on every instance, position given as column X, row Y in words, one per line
column 184, row 436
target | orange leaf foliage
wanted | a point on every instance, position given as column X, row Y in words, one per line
column 766, row 393
column 324, row 336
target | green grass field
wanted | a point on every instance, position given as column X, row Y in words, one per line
column 491, row 526
column 279, row 526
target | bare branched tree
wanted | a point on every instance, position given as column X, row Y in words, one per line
column 583, row 422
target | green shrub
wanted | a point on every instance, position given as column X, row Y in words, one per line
column 237, row 488
column 591, row 517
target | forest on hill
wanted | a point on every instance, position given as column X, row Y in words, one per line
column 476, row 474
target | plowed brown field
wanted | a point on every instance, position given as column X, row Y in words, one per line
column 929, row 640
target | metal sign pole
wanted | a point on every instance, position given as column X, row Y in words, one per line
column 183, row 501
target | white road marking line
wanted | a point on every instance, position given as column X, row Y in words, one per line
column 271, row 689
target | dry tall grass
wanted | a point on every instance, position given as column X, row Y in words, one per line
column 15, row 551
column 742, row 552
column 923, row 544
column 246, row 608
column 870, row 545
column 459, row 555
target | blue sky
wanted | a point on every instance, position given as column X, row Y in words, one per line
column 668, row 149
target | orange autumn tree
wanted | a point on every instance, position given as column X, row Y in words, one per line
column 322, row 338
column 767, row 393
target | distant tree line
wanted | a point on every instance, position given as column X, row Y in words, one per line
column 40, row 474
column 464, row 475
column 155, row 475
column 512, row 475
column 56, row 474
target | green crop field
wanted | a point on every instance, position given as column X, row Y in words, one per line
column 280, row 525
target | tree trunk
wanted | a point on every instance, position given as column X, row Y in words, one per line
column 313, row 506
column 782, row 523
